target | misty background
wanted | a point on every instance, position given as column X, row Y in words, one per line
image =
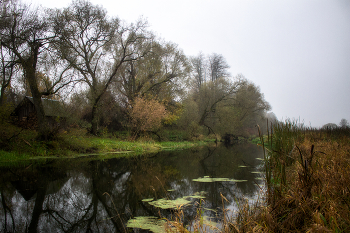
column 297, row 51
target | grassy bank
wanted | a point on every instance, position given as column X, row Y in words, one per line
column 308, row 175
column 78, row 143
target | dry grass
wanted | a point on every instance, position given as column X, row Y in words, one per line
column 315, row 197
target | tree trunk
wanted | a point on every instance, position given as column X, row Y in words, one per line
column 2, row 98
column 38, row 208
column 94, row 120
column 43, row 127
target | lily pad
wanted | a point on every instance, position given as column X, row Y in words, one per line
column 170, row 204
column 147, row 200
column 212, row 225
column 148, row 223
column 179, row 202
column 210, row 179
column 197, row 195
column 210, row 210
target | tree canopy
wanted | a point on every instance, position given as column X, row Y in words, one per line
column 119, row 76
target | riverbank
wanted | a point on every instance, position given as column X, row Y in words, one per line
column 78, row 143
column 308, row 176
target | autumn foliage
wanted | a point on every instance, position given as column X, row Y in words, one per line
column 147, row 115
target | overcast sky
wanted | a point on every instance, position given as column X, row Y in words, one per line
column 297, row 51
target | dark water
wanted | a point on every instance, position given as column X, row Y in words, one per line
column 87, row 195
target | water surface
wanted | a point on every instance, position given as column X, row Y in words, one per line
column 87, row 194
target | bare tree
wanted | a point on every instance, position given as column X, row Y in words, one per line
column 97, row 47
column 218, row 67
column 8, row 69
column 25, row 32
column 199, row 69
column 343, row 123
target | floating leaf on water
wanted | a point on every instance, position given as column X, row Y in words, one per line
column 212, row 225
column 171, row 190
column 259, row 159
column 147, row 200
column 201, row 193
column 210, row 209
column 259, row 178
column 208, row 179
column 242, row 166
column 195, row 196
column 258, row 172
column 179, row 202
column 148, row 223
column 170, row 204
column 240, row 181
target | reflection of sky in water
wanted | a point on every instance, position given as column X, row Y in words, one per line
column 105, row 194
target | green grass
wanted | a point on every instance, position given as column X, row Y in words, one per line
column 77, row 143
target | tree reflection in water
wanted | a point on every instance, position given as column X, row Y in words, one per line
column 86, row 195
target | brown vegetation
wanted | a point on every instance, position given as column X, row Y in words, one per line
column 146, row 115
column 315, row 196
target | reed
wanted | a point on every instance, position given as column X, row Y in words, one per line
column 307, row 176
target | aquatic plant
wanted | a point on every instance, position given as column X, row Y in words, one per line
column 208, row 179
column 151, row 223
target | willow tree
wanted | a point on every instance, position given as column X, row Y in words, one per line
column 97, row 46
column 245, row 109
column 160, row 74
column 25, row 33
column 212, row 96
column 8, row 69
column 221, row 104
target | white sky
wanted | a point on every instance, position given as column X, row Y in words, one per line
column 297, row 51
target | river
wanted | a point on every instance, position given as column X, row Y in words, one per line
column 91, row 195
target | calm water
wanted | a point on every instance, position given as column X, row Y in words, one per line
column 87, row 195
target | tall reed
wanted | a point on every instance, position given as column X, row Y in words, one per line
column 307, row 172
